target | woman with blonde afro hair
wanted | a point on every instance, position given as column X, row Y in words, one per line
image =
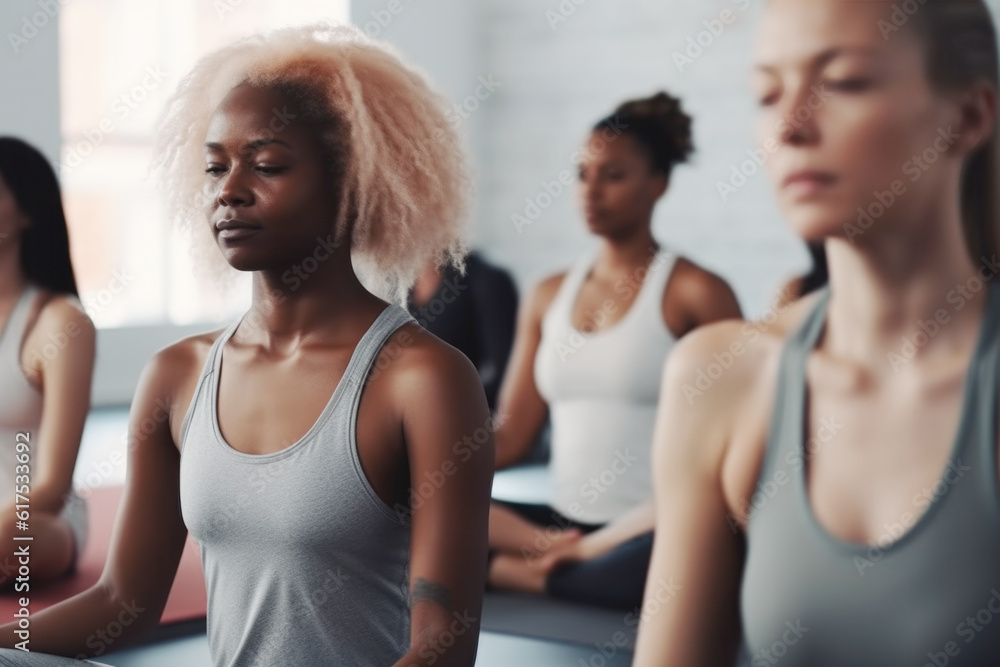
column 332, row 459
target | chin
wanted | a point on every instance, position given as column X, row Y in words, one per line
column 817, row 224
column 241, row 260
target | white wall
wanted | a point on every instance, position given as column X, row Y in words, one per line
column 29, row 74
column 555, row 79
column 564, row 75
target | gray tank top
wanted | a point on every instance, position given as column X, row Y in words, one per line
column 304, row 564
column 928, row 593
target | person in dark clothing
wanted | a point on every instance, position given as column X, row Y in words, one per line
column 475, row 313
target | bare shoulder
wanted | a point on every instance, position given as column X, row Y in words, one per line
column 171, row 375
column 60, row 323
column 720, row 379
column 544, row 291
column 64, row 311
column 696, row 281
column 413, row 359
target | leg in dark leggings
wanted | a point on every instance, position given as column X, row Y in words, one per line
column 616, row 579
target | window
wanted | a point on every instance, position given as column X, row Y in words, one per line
column 120, row 60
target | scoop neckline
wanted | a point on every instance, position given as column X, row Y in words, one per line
column 574, row 295
column 958, row 444
column 320, row 420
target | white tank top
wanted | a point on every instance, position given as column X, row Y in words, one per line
column 20, row 401
column 602, row 390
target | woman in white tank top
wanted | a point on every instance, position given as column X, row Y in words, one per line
column 46, row 363
column 589, row 348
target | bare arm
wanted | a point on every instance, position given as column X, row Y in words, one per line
column 704, row 297
column 697, row 559
column 522, row 409
column 62, row 344
column 446, row 423
column 60, row 352
column 146, row 543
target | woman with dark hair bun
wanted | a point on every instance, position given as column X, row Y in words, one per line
column 588, row 347
column 47, row 347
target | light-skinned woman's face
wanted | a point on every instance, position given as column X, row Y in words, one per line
column 843, row 97
column 617, row 187
column 265, row 173
column 12, row 219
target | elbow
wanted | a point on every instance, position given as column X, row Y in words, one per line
column 134, row 613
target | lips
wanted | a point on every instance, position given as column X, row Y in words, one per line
column 223, row 225
column 809, row 176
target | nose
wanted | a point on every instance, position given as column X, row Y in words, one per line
column 233, row 190
column 799, row 110
column 590, row 189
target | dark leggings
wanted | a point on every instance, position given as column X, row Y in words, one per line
column 616, row 579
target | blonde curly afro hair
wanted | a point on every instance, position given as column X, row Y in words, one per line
column 404, row 187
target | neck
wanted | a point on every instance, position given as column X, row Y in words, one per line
column 12, row 279
column 621, row 255
column 327, row 304
column 918, row 288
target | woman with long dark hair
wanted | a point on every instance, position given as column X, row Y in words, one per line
column 47, row 347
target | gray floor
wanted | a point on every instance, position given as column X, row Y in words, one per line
column 495, row 650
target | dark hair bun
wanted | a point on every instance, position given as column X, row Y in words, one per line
column 660, row 125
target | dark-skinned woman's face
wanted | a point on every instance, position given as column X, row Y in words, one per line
column 266, row 179
column 618, row 188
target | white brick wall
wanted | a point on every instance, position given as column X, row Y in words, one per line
column 557, row 82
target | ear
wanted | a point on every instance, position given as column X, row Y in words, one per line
column 661, row 182
column 977, row 113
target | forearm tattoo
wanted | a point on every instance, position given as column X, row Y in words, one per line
column 424, row 590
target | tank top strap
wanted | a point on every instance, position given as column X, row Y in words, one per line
column 660, row 267
column 984, row 371
column 212, row 361
column 562, row 305
column 390, row 319
column 786, row 434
